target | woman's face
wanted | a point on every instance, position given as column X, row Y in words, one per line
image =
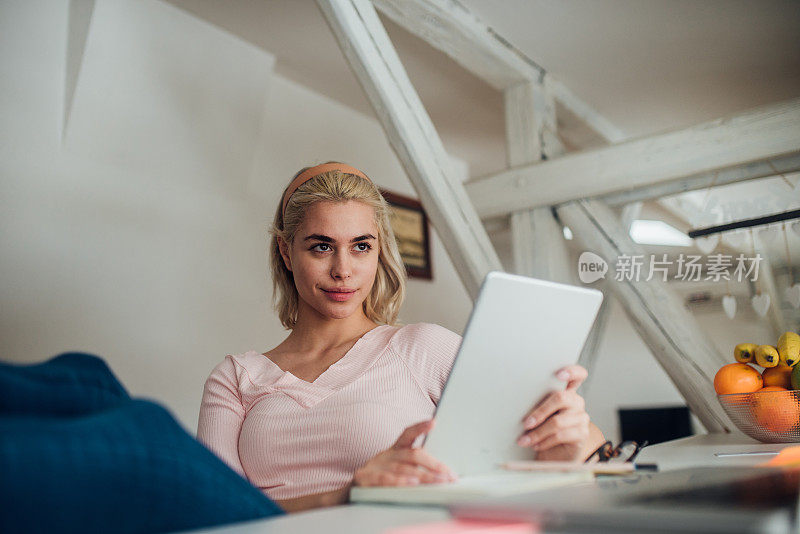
column 334, row 258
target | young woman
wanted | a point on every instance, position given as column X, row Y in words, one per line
column 342, row 399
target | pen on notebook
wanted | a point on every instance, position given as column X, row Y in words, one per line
column 570, row 467
column 745, row 453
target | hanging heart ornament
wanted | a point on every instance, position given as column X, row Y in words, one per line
column 793, row 295
column 761, row 304
column 768, row 235
column 707, row 244
column 733, row 239
column 729, row 305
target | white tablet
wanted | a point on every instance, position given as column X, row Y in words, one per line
column 520, row 332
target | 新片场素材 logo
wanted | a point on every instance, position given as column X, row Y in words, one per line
column 591, row 267
column 684, row 267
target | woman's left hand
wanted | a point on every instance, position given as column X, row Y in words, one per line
column 558, row 428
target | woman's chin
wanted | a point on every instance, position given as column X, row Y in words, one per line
column 339, row 311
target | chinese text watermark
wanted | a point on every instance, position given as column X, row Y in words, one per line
column 685, row 268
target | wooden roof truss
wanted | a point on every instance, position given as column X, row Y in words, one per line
column 542, row 180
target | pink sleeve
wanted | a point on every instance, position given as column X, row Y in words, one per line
column 429, row 351
column 221, row 414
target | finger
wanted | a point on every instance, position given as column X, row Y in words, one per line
column 420, row 458
column 554, row 402
column 408, row 481
column 425, row 476
column 422, row 475
column 399, row 474
column 567, row 436
column 573, row 375
column 391, row 479
column 562, row 421
column 406, row 439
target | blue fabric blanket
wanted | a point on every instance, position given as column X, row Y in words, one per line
column 77, row 454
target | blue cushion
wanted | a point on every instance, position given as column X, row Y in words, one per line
column 130, row 468
column 67, row 385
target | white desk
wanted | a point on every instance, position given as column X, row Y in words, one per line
column 701, row 451
column 693, row 451
column 347, row 519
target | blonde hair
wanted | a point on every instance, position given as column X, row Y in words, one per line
column 382, row 305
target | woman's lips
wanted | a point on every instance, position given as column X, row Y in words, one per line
column 339, row 295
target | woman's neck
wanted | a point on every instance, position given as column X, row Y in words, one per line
column 315, row 334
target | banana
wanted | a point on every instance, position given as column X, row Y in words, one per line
column 789, row 348
column 767, row 356
column 745, row 352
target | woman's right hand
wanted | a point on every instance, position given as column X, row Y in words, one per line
column 403, row 465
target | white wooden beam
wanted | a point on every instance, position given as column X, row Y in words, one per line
column 538, row 243
column 750, row 171
column 522, row 243
column 413, row 137
column 685, row 353
column 525, row 114
column 524, row 120
column 756, row 136
column 629, row 213
column 551, row 258
column 451, row 28
column 583, row 111
column 538, row 246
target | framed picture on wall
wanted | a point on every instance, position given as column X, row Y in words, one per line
column 410, row 226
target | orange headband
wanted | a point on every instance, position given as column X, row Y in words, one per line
column 308, row 174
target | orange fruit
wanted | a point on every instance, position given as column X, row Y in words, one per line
column 780, row 376
column 776, row 409
column 737, row 378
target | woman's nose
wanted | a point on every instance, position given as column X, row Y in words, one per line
column 342, row 266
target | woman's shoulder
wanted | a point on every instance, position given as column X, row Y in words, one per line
column 244, row 369
column 423, row 337
column 428, row 351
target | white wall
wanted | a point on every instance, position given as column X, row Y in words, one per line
column 139, row 233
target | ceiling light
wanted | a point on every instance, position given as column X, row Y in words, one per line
column 647, row 232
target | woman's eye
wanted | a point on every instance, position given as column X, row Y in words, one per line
column 325, row 247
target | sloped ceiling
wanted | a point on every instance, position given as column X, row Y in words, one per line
column 646, row 65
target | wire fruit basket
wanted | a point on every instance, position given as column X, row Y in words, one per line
column 768, row 416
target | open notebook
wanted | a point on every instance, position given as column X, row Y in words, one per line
column 470, row 487
column 520, row 332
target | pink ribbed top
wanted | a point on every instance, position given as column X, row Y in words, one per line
column 291, row 438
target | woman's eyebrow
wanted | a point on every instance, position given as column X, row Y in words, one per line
column 326, row 239
column 319, row 237
column 364, row 237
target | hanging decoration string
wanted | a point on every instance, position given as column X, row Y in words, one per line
column 788, row 254
column 708, row 191
column 753, row 255
column 782, row 175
